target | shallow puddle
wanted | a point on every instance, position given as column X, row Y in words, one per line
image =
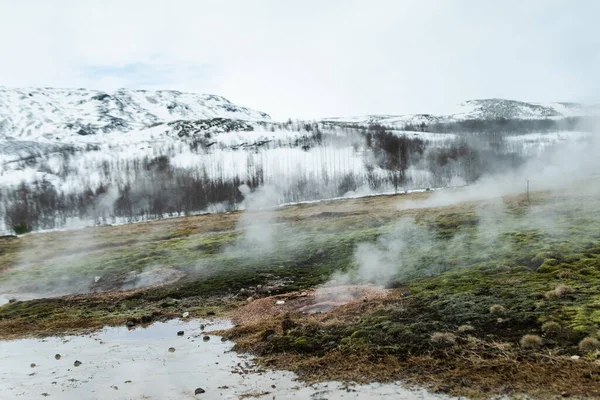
column 118, row 363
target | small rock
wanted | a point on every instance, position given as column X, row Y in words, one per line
column 77, row 363
column 575, row 357
column 171, row 349
column 12, row 300
column 201, row 327
column 180, row 333
column 45, row 394
column 130, row 323
column 223, row 339
column 250, row 299
column 206, row 338
column 210, row 313
column 199, row 391
column 279, row 302
column 114, row 387
column 146, row 319
column 565, row 394
column 185, row 314
column 32, row 365
column 96, row 279
column 127, row 381
column 272, row 386
column 57, row 356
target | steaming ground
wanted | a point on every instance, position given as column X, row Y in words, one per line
column 436, row 264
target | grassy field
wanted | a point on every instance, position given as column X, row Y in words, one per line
column 484, row 298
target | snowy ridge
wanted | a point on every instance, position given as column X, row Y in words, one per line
column 480, row 109
column 46, row 113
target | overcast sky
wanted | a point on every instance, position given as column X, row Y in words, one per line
column 310, row 58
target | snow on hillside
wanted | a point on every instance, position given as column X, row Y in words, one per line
column 479, row 109
column 45, row 113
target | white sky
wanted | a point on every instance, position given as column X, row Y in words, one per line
column 310, row 58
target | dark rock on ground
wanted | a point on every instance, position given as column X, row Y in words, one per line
column 199, row 391
column 171, row 349
column 206, row 338
column 180, row 333
column 77, row 363
column 57, row 356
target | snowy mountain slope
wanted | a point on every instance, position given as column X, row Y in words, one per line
column 46, row 113
column 480, row 109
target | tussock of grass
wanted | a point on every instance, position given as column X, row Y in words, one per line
column 443, row 339
column 558, row 292
column 531, row 342
column 497, row 310
column 466, row 328
column 589, row 344
column 552, row 329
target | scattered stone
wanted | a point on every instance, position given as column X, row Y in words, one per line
column 57, row 356
column 273, row 387
column 77, row 363
column 96, row 279
column 199, row 391
column 32, row 365
column 223, row 339
column 575, row 357
column 223, row 387
column 210, row 313
column 130, row 323
column 180, row 333
column 114, row 387
column 127, row 381
column 146, row 319
column 279, row 302
column 171, row 349
column 12, row 300
column 45, row 394
column 206, row 338
column 185, row 314
column 201, row 327
column 565, row 394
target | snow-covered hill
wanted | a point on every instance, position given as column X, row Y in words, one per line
column 480, row 109
column 51, row 114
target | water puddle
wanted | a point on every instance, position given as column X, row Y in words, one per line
column 158, row 362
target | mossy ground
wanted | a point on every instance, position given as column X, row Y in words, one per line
column 508, row 252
